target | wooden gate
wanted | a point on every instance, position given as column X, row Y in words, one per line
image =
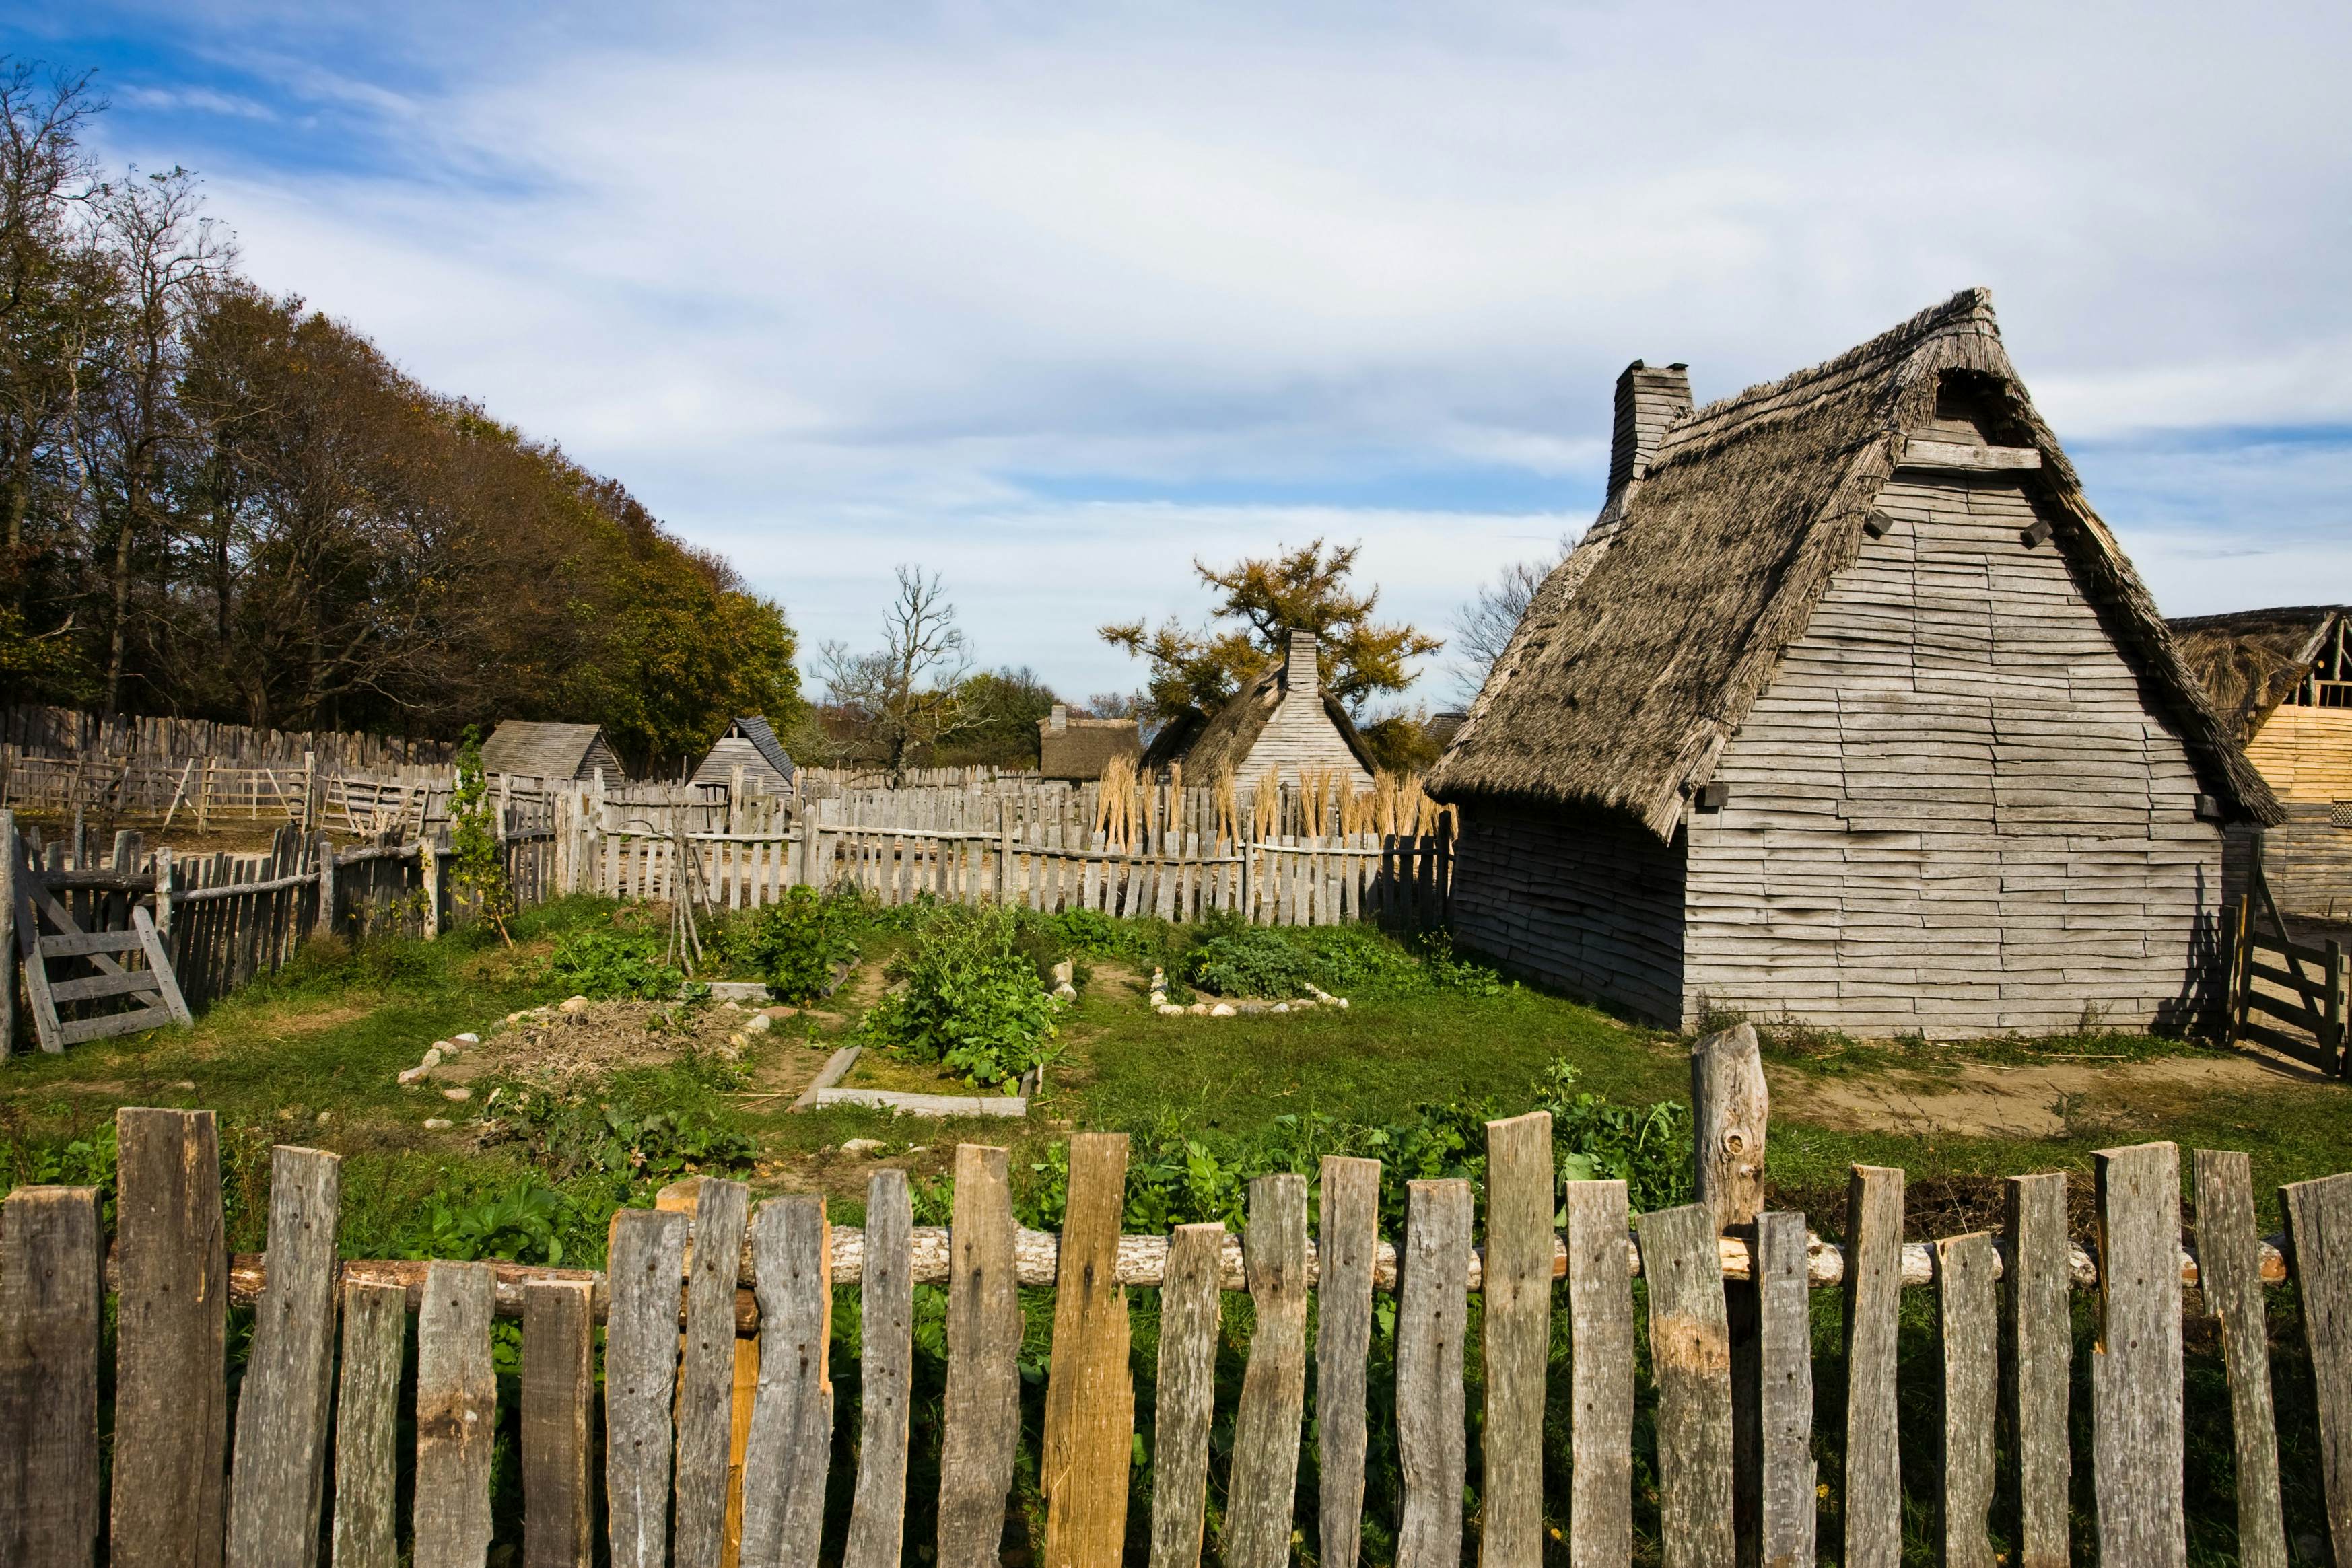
column 2282, row 985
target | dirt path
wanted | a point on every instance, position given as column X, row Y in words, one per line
column 1985, row 1100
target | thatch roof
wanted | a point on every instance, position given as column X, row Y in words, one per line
column 1081, row 747
column 1639, row 656
column 538, row 749
column 750, row 742
column 2251, row 660
column 1208, row 743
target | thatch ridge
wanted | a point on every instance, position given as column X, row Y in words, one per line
column 1644, row 652
column 2250, row 661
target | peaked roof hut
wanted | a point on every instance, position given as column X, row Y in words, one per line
column 1283, row 719
column 1079, row 748
column 532, row 748
column 752, row 745
column 2282, row 679
column 1848, row 705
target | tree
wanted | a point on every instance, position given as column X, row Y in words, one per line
column 1268, row 597
column 905, row 695
column 999, row 719
column 1484, row 624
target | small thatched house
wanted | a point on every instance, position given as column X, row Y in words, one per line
column 1849, row 707
column 529, row 748
column 1283, row 719
column 750, row 744
column 1079, row 748
column 2282, row 681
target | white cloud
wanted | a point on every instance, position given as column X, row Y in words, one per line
column 820, row 284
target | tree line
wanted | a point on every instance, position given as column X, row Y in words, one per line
column 220, row 503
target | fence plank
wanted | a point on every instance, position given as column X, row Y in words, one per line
column 1690, row 1359
column 1516, row 1337
column 786, row 1458
column 646, row 1259
column 170, row 1391
column 1784, row 1352
column 559, row 1388
column 1968, row 1318
column 278, row 1471
column 1600, row 1327
column 50, row 1284
column 1190, row 1299
column 2229, row 1278
column 1089, row 1396
column 1264, row 1478
column 1432, row 1311
column 706, row 1377
column 2136, row 1442
column 2040, row 1350
column 367, row 1427
column 983, row 1383
column 457, row 1417
column 1874, row 1289
column 877, row 1520
column 1343, row 1335
column 2319, row 1254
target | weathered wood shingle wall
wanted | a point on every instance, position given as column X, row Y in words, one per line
column 1587, row 901
column 1953, row 811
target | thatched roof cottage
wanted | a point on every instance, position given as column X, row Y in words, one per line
column 1849, row 707
column 2282, row 679
column 530, row 749
column 1078, row 749
column 1283, row 719
column 752, row 745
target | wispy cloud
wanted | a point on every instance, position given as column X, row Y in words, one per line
column 1057, row 298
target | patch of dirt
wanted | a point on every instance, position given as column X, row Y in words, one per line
column 549, row 1045
column 312, row 1021
column 1981, row 1099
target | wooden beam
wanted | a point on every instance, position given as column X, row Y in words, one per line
column 1967, row 456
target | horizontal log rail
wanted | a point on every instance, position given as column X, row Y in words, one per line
column 1143, row 1261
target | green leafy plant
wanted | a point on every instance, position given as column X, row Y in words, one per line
column 571, row 1135
column 1250, row 961
column 524, row 1225
column 477, row 870
column 968, row 997
column 796, row 944
column 606, row 961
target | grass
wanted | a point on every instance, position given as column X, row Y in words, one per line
column 329, row 1035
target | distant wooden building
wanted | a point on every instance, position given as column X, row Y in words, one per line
column 1849, row 707
column 2282, row 679
column 752, row 745
column 1282, row 719
column 1079, row 748
column 533, row 749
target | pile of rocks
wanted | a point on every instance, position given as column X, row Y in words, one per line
column 1244, row 1007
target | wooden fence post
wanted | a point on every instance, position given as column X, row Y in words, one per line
column 1433, row 1308
column 457, row 1417
column 1267, row 1421
column 2137, row 1442
column 1520, row 1196
column 428, row 871
column 1730, row 1120
column 7, row 932
column 1873, row 1291
column 322, row 923
column 1691, row 1361
column 2040, row 1348
column 2229, row 1278
column 1346, row 1252
column 278, row 1474
column 1089, row 1396
column 791, row 1444
column 2319, row 1255
column 50, row 1297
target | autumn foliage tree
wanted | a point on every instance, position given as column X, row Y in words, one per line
column 1265, row 598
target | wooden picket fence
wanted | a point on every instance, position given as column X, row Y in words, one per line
column 717, row 1442
column 225, row 919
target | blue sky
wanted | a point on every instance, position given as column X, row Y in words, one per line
column 1053, row 298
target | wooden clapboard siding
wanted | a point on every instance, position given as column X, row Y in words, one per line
column 1587, row 901
column 2306, row 753
column 2307, row 860
column 1953, row 811
column 1299, row 736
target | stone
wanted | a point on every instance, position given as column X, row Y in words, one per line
column 1279, row 1007
column 1222, row 1010
column 436, row 1123
column 446, row 1048
column 862, row 1146
column 325, row 1116
column 1066, row 973
column 1199, row 1009
column 1169, row 1010
column 1340, row 1002
column 432, row 1057
column 187, row 1083
column 759, row 1023
column 738, row 1039
column 575, row 1005
column 414, row 1075
column 468, row 1038
column 459, row 1093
